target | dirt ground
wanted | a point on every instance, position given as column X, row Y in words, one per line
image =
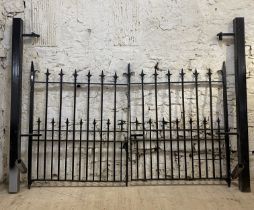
column 203, row 197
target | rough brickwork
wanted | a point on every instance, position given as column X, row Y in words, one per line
column 107, row 35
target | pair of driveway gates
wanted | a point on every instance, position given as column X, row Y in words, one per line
column 102, row 131
column 138, row 126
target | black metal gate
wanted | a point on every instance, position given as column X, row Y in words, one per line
column 153, row 125
column 133, row 128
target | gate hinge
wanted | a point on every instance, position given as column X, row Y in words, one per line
column 221, row 35
column 31, row 35
column 21, row 166
column 237, row 170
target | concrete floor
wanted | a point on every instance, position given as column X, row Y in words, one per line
column 203, row 197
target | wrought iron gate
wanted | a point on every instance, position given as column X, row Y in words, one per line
column 104, row 128
column 153, row 125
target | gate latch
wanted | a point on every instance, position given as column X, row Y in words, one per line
column 135, row 135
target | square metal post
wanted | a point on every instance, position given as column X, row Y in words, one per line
column 241, row 105
column 16, row 93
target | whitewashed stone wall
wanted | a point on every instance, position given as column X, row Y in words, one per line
column 107, row 35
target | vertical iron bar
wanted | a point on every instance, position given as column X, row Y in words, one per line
column 211, row 118
column 197, row 113
column 87, row 121
column 46, row 122
column 121, row 162
column 192, row 149
column 60, row 121
column 80, row 141
column 66, row 142
column 114, row 166
column 143, row 121
column 74, row 121
column 241, row 104
column 38, row 146
column 52, row 146
column 170, row 124
column 94, row 136
column 108, row 123
column 131, row 155
column 31, row 117
column 128, row 125
column 184, row 132
column 164, row 138
column 226, row 127
column 150, row 139
column 137, row 154
column 156, row 118
column 102, row 80
column 178, row 149
column 206, row 160
column 219, row 140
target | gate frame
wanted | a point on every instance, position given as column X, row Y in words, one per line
column 240, row 88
